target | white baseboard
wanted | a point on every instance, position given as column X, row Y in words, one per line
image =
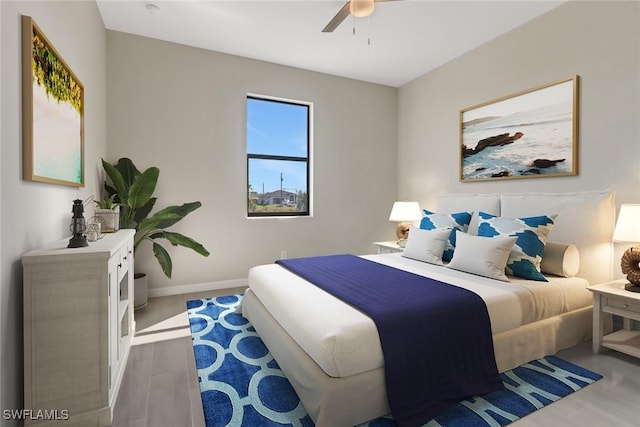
column 198, row 287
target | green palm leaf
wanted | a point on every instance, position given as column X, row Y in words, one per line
column 163, row 258
column 143, row 187
column 116, row 179
column 128, row 170
column 177, row 239
column 111, row 191
column 153, row 223
column 145, row 210
column 168, row 216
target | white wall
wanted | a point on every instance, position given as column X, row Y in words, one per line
column 183, row 109
column 33, row 214
column 597, row 40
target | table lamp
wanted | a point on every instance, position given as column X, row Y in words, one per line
column 404, row 213
column 628, row 230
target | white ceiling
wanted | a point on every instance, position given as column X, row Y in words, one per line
column 408, row 37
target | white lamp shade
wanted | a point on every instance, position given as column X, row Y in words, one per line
column 628, row 224
column 405, row 211
column 361, row 8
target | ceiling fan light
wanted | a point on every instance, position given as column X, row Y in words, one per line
column 361, row 8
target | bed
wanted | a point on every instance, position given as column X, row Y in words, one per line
column 331, row 352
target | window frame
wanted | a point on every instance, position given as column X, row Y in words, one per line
column 308, row 159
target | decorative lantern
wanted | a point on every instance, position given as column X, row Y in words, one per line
column 78, row 226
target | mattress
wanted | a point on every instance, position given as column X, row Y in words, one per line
column 344, row 342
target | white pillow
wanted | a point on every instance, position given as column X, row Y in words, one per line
column 561, row 259
column 484, row 256
column 426, row 245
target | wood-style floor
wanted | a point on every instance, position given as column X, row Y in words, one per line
column 160, row 386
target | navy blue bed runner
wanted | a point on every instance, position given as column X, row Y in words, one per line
column 435, row 337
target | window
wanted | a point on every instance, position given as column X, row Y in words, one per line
column 278, row 146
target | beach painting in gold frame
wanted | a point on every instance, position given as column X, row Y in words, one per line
column 52, row 113
column 533, row 133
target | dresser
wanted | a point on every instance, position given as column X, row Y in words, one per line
column 78, row 327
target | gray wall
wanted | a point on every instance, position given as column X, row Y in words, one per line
column 183, row 109
column 597, row 40
column 33, row 214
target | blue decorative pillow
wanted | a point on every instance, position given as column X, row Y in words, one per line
column 526, row 255
column 456, row 221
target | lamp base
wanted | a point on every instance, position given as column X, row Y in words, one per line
column 402, row 230
column 632, row 288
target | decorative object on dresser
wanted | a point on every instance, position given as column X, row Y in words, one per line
column 628, row 230
column 78, row 226
column 532, row 133
column 78, row 327
column 133, row 191
column 404, row 213
column 52, row 113
column 94, row 232
column 107, row 214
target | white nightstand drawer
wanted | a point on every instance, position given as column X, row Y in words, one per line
column 632, row 307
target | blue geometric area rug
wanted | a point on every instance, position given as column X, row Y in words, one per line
column 242, row 385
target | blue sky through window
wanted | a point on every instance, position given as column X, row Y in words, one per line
column 280, row 129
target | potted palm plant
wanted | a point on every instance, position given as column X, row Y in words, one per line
column 133, row 191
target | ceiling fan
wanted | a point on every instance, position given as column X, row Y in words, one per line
column 358, row 8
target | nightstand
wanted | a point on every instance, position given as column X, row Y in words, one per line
column 612, row 299
column 388, row 247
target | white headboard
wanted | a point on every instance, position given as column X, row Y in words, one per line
column 586, row 219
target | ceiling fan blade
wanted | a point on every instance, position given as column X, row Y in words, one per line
column 337, row 20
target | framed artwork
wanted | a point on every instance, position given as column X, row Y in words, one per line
column 52, row 113
column 530, row 134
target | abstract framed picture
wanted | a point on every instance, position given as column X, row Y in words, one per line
column 530, row 134
column 52, row 113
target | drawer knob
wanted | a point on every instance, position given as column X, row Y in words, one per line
column 626, row 305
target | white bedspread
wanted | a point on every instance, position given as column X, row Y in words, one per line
column 344, row 342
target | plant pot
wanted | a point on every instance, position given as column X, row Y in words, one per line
column 109, row 219
column 140, row 290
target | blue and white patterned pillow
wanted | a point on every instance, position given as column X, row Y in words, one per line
column 455, row 221
column 526, row 255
